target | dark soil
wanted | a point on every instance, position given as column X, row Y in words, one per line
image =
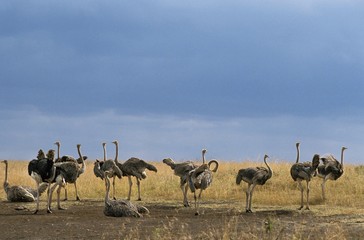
column 218, row 220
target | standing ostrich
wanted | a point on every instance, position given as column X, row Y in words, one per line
column 120, row 208
column 253, row 176
column 331, row 169
column 20, row 193
column 133, row 167
column 108, row 166
column 201, row 178
column 181, row 170
column 67, row 158
column 304, row 171
column 67, row 172
column 42, row 170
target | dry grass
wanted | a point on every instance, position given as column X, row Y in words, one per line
column 279, row 191
column 345, row 198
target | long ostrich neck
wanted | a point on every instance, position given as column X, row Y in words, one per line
column 104, row 147
column 342, row 158
column 58, row 150
column 298, row 153
column 83, row 168
column 203, row 157
column 116, row 152
column 6, row 173
column 269, row 169
column 107, row 184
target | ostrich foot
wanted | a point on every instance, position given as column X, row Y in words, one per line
column 65, row 199
column 300, row 208
column 49, row 210
column 186, row 204
column 249, row 211
column 61, row 208
column 197, row 213
column 78, row 198
column 139, row 199
column 36, row 211
column 307, row 208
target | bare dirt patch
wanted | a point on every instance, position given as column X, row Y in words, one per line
column 219, row 220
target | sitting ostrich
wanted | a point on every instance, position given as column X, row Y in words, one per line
column 181, row 170
column 201, row 178
column 304, row 172
column 42, row 170
column 21, row 193
column 66, row 172
column 100, row 167
column 331, row 169
column 253, row 176
column 67, row 158
column 120, row 208
column 133, row 167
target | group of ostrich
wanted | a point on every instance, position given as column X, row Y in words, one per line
column 50, row 172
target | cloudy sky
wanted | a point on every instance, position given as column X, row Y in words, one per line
column 168, row 78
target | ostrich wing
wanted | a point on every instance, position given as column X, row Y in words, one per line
column 19, row 194
column 43, row 167
column 97, row 170
column 181, row 169
column 109, row 165
column 69, row 170
column 42, row 187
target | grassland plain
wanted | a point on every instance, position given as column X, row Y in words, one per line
column 274, row 204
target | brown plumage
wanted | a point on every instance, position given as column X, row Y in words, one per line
column 42, row 170
column 67, row 158
column 201, row 178
column 67, row 172
column 120, row 208
column 304, row 172
column 181, row 170
column 100, row 167
column 331, row 169
column 21, row 193
column 253, row 176
column 133, row 167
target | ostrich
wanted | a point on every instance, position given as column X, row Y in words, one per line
column 120, row 208
column 181, row 170
column 113, row 170
column 253, row 176
column 304, row 171
column 201, row 178
column 133, row 167
column 67, row 158
column 67, row 172
column 42, row 170
column 21, row 193
column 331, row 169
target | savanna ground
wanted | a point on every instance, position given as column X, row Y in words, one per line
column 222, row 208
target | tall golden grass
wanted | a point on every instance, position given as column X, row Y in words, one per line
column 163, row 186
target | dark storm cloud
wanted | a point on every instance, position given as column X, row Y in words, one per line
column 212, row 60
